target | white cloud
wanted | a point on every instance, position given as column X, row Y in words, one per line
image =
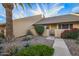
column 37, row 11
column 75, row 9
column 15, row 16
column 45, row 9
column 48, row 13
column 3, row 15
column 21, row 13
column 18, row 14
column 54, row 10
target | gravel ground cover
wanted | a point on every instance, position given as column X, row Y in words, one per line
column 73, row 47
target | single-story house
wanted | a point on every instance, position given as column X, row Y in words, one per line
column 20, row 26
column 60, row 23
column 56, row 24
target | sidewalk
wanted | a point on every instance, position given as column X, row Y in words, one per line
column 60, row 48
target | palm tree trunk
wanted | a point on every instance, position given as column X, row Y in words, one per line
column 9, row 25
column 9, row 22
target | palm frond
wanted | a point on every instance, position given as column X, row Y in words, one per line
column 22, row 5
column 29, row 5
column 16, row 5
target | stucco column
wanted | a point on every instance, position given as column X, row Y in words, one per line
column 57, row 26
column 45, row 31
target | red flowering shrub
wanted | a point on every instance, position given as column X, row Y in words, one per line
column 64, row 34
column 71, row 34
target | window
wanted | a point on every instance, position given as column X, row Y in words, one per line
column 65, row 26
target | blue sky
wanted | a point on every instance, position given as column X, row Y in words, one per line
column 46, row 9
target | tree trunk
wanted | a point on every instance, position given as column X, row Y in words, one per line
column 9, row 25
column 9, row 22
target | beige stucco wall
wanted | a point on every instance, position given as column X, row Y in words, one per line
column 20, row 26
column 35, row 34
column 33, row 31
column 45, row 32
column 76, row 25
column 58, row 32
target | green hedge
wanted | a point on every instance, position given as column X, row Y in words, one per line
column 39, row 29
column 70, row 34
column 37, row 50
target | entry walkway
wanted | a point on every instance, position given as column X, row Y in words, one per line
column 60, row 48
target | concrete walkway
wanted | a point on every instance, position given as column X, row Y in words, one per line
column 60, row 48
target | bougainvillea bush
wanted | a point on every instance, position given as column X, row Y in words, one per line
column 70, row 34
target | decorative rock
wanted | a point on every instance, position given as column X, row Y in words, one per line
column 73, row 47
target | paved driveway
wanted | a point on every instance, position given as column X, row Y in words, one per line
column 60, row 48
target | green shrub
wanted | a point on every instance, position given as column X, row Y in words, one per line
column 39, row 29
column 37, row 50
column 70, row 34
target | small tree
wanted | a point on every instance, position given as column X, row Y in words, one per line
column 39, row 29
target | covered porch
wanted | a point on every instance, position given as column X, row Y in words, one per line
column 57, row 29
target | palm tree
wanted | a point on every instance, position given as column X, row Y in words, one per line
column 9, row 22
